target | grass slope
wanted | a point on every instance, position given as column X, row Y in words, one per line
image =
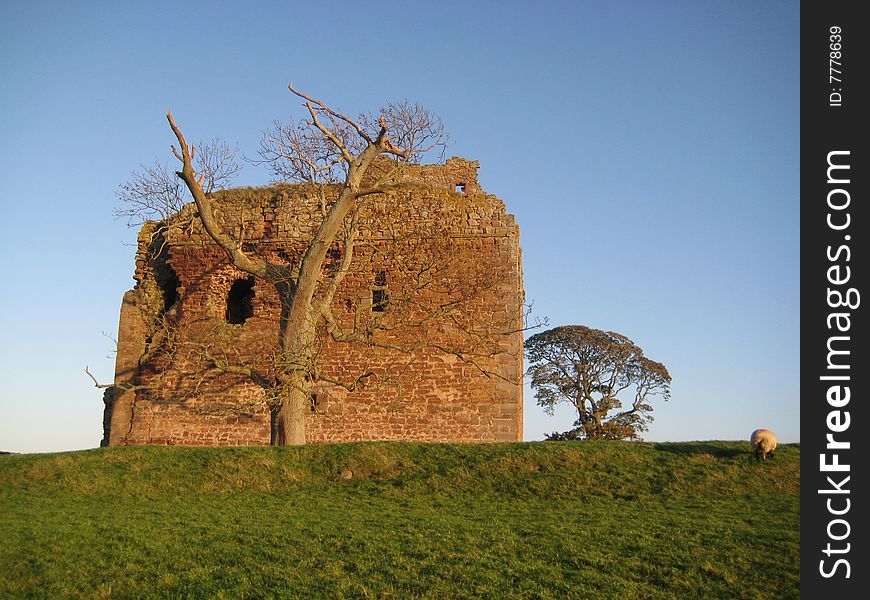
column 536, row 520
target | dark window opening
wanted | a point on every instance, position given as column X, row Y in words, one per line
column 380, row 298
column 164, row 274
column 168, row 282
column 314, row 402
column 240, row 305
column 460, row 188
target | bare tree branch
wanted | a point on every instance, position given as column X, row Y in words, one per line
column 97, row 383
column 155, row 193
column 321, row 106
column 253, row 265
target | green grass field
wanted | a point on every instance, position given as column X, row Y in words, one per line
column 536, row 520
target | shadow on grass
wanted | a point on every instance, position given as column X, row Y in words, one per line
column 700, row 448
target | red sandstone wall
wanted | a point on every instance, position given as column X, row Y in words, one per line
column 428, row 395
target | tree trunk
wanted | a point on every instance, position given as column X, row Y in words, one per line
column 288, row 427
column 297, row 340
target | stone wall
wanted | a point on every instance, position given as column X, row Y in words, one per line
column 436, row 278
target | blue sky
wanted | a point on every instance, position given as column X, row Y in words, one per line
column 649, row 151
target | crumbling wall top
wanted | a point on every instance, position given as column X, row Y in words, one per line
column 455, row 174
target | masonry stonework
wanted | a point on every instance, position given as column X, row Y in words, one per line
column 436, row 281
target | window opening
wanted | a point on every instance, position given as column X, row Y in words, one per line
column 240, row 305
column 168, row 283
column 164, row 274
column 460, row 188
column 380, row 298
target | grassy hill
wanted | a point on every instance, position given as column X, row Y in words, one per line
column 391, row 520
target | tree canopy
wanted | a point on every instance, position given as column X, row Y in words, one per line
column 603, row 375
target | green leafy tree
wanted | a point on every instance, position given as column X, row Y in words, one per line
column 602, row 374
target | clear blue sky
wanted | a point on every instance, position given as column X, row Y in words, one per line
column 649, row 151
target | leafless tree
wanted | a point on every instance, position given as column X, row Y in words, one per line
column 335, row 152
column 155, row 193
column 152, row 193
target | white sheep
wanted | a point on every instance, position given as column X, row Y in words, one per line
column 763, row 442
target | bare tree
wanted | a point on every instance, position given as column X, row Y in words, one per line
column 336, row 153
column 354, row 167
column 152, row 193
column 155, row 193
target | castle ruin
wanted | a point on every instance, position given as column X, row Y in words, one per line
column 435, row 285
